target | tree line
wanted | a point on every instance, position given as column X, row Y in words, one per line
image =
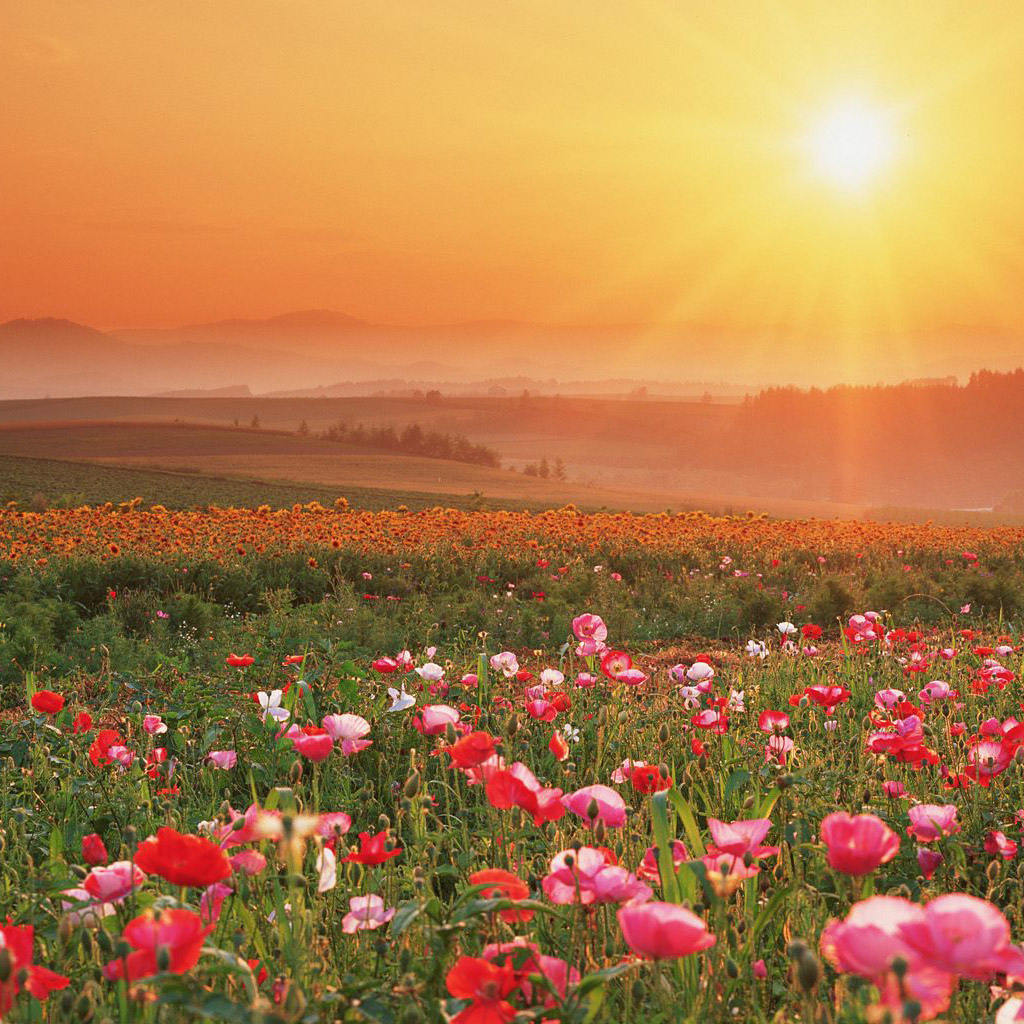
column 412, row 439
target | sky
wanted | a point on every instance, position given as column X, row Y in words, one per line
column 547, row 161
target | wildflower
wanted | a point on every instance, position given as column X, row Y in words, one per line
column 608, row 806
column 182, row 859
column 366, row 913
column 372, row 850
column 175, row 934
column 47, row 702
column 505, row 885
column 663, row 931
column 857, row 844
column 271, row 704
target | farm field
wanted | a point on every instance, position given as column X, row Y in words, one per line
column 328, row 763
column 313, row 467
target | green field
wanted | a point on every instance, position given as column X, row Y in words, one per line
column 56, row 483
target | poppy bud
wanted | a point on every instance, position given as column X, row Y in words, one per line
column 623, row 717
column 808, row 971
column 450, row 735
column 122, row 949
column 731, row 968
column 412, row 785
column 104, row 941
column 797, row 949
column 163, row 959
column 295, row 772
column 602, row 716
column 663, row 733
column 6, row 965
column 593, row 809
column 513, row 725
column 600, row 831
column 912, row 1010
column 992, row 871
column 383, row 823
column 899, row 967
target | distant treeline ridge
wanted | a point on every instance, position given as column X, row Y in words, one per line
column 414, row 440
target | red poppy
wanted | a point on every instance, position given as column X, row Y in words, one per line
column 506, row 885
column 93, row 850
column 175, row 933
column 647, row 779
column 486, row 985
column 38, row 982
column 372, row 851
column 558, row 746
column 82, row 722
column 105, row 739
column 240, row 660
column 183, row 859
column 156, row 757
column 473, row 749
column 47, row 702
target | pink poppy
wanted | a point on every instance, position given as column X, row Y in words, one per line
column 929, row 822
column 586, row 876
column 663, row 931
column 366, row 913
column 857, row 844
column 611, row 808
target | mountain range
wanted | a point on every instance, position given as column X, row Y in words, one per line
column 321, row 351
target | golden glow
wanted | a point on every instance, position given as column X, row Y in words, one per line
column 685, row 163
column 852, row 144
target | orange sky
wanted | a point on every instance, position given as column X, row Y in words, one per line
column 585, row 162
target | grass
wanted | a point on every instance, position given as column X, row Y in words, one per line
column 64, row 484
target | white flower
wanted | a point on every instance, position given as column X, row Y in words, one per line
column 757, row 649
column 271, row 704
column 690, row 695
column 736, row 700
column 327, row 868
column 506, row 663
column 430, row 673
column 785, row 628
column 700, row 672
column 552, row 677
column 571, row 734
column 400, row 701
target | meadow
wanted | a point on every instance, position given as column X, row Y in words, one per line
column 324, row 763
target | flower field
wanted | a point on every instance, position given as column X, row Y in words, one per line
column 323, row 764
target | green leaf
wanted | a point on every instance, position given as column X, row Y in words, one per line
column 695, row 842
column 404, row 917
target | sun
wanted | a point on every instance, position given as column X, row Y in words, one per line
column 851, row 144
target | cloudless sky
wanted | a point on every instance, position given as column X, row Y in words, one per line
column 592, row 162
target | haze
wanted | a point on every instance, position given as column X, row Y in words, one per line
column 546, row 163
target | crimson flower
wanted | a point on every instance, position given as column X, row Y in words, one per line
column 38, row 982
column 372, row 851
column 183, row 859
column 47, row 702
column 176, row 934
column 486, row 985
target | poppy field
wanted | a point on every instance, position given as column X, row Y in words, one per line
column 322, row 764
